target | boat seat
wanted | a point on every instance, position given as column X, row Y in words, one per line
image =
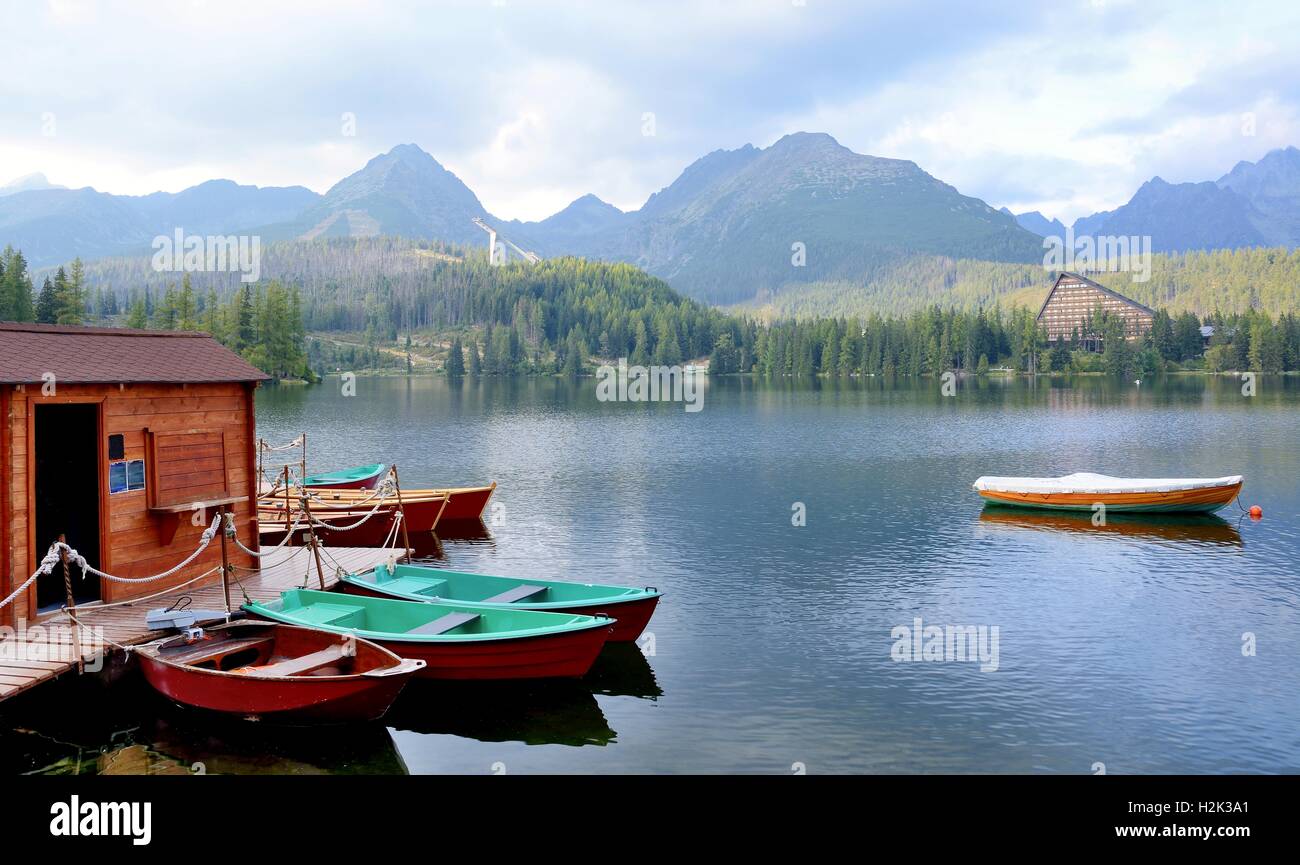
column 443, row 624
column 299, row 665
column 518, row 593
column 212, row 651
column 325, row 614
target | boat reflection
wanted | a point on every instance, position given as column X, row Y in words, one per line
column 535, row 713
column 140, row 733
column 622, row 670
column 221, row 746
column 1196, row 528
column 464, row 531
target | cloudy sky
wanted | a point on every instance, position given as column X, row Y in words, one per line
column 1065, row 106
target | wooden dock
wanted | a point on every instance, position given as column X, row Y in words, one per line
column 43, row 650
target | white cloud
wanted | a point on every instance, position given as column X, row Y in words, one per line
column 1062, row 109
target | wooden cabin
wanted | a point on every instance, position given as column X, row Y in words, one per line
column 126, row 441
column 1074, row 298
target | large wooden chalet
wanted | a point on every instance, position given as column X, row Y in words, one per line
column 1073, row 299
column 127, row 442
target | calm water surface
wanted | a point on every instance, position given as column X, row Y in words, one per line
column 1119, row 645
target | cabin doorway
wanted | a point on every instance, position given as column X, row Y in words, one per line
column 67, row 490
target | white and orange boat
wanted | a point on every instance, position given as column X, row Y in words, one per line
column 1083, row 491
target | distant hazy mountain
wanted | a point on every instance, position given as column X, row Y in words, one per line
column 1255, row 204
column 1037, row 223
column 52, row 225
column 1272, row 186
column 1185, row 216
column 27, row 183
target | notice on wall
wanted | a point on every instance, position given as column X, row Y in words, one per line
column 125, row 476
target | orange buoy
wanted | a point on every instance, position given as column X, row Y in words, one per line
column 1256, row 512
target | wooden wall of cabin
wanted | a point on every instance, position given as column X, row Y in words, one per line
column 130, row 532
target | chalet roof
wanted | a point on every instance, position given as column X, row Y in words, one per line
column 109, row 355
column 1097, row 285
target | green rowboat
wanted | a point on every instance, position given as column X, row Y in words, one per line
column 455, row 641
column 358, row 478
column 632, row 607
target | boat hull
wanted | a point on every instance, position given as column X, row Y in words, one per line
column 630, row 617
column 546, row 656
column 357, row 484
column 306, row 699
column 1206, row 500
column 466, row 503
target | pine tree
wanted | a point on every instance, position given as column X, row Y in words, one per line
column 475, row 365
column 47, row 304
column 139, row 316
column 70, row 295
column 456, row 359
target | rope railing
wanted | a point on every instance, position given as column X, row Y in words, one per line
column 234, row 536
column 59, row 548
column 266, row 446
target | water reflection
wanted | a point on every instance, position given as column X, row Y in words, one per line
column 623, row 671
column 1195, row 528
column 139, row 732
column 535, row 713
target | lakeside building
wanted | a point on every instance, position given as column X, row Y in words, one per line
column 1073, row 301
column 126, row 442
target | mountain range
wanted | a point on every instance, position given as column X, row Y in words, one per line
column 735, row 225
column 1254, row 204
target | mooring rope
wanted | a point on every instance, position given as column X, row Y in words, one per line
column 324, row 525
column 386, row 490
column 266, row 446
column 232, row 535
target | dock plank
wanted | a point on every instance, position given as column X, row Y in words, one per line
column 27, row 663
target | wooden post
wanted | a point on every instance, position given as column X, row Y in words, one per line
column 303, row 440
column 288, row 506
column 261, row 470
column 225, row 559
column 401, row 509
column 72, row 606
column 311, row 539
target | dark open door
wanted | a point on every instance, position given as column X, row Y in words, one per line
column 67, row 488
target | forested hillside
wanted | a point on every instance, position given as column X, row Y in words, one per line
column 1227, row 281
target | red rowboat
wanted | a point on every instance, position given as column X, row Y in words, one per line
column 345, row 527
column 463, row 503
column 268, row 671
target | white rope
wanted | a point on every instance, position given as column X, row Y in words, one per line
column 47, row 566
column 324, row 525
column 296, row 443
column 52, row 558
column 208, row 534
column 132, row 601
column 230, row 533
column 383, row 491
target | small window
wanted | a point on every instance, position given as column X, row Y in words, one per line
column 125, row 476
column 116, row 447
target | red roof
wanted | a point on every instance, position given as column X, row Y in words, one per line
column 109, row 355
